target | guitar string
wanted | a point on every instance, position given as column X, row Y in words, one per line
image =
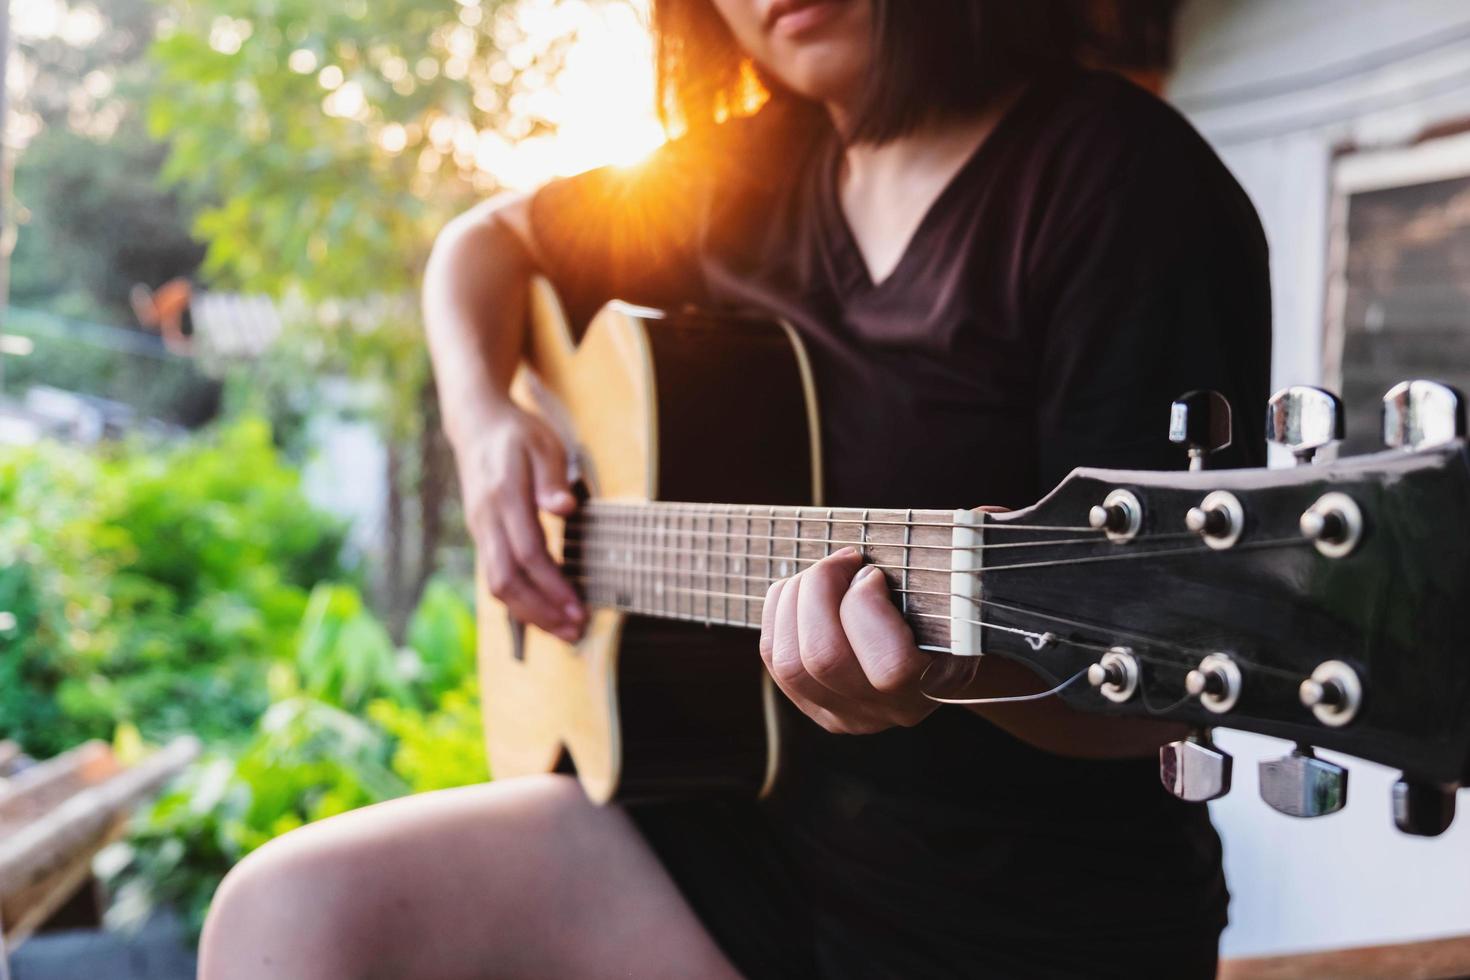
column 1046, row 637
column 1040, row 637
column 1141, row 638
column 631, row 534
column 1051, row 563
column 633, row 509
column 1010, row 699
column 709, row 574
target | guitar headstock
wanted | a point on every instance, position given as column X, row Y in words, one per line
column 1323, row 603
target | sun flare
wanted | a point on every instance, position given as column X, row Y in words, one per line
column 601, row 101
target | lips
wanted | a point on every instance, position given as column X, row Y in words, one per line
column 794, row 9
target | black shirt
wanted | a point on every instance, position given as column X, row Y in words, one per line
column 1092, row 260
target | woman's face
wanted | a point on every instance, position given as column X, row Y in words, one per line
column 820, row 49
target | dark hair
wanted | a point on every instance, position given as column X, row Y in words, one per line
column 936, row 59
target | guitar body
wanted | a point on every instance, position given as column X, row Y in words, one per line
column 645, row 708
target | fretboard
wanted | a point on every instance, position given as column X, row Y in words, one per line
column 713, row 563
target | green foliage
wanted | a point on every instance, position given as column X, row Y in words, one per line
column 349, row 726
column 442, row 635
column 325, row 145
column 440, row 748
column 332, row 140
column 151, row 585
column 93, row 218
column 308, row 760
column 188, row 587
column 344, row 655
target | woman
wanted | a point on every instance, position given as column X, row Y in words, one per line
column 1003, row 267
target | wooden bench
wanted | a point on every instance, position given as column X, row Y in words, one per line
column 1430, row 959
column 54, row 818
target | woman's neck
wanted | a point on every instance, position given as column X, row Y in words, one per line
column 886, row 189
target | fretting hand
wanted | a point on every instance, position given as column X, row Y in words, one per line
column 836, row 645
column 513, row 466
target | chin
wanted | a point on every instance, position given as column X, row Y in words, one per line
column 829, row 71
column 827, row 60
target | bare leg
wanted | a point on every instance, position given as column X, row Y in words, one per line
column 522, row 878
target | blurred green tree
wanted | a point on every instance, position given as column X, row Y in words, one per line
column 325, row 145
column 94, row 218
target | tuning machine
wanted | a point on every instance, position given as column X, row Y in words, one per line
column 1334, row 693
column 1219, row 519
column 1419, row 414
column 1194, row 770
column 1304, row 419
column 1424, row 809
column 1302, row 785
column 1120, row 516
column 1115, row 675
column 1216, row 682
column 1200, row 422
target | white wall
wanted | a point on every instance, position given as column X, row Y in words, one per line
column 1278, row 86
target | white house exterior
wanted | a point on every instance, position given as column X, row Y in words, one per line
column 1303, row 99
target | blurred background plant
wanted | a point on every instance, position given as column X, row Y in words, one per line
column 260, row 548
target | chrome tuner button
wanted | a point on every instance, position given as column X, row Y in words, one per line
column 1304, row 419
column 1115, row 675
column 1194, row 770
column 1333, row 692
column 1120, row 516
column 1218, row 520
column 1200, row 422
column 1334, row 524
column 1302, row 785
column 1216, row 682
column 1420, row 414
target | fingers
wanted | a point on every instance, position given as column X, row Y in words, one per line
column 825, row 653
column 823, row 632
column 527, row 543
column 549, row 474
column 508, row 582
column 781, row 652
column 513, row 470
column 883, row 646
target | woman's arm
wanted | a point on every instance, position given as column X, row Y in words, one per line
column 510, row 462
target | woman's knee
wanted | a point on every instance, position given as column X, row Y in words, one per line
column 291, row 908
column 333, row 898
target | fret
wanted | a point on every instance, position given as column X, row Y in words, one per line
column 640, row 567
column 770, row 545
column 704, row 564
column 646, row 578
column 863, row 537
column 660, row 546
column 829, row 534
column 908, row 530
column 671, row 560
column 794, row 565
column 725, row 573
column 686, row 560
column 744, row 564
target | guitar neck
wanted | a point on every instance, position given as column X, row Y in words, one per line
column 713, row 563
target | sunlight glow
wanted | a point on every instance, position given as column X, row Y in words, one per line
column 601, row 102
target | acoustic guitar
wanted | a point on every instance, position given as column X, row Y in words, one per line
column 1324, row 603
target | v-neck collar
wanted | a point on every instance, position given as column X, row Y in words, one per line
column 852, row 267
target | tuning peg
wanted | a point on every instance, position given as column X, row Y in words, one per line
column 1302, row 785
column 1304, row 419
column 1194, row 770
column 1200, row 422
column 1423, row 809
column 1417, row 414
